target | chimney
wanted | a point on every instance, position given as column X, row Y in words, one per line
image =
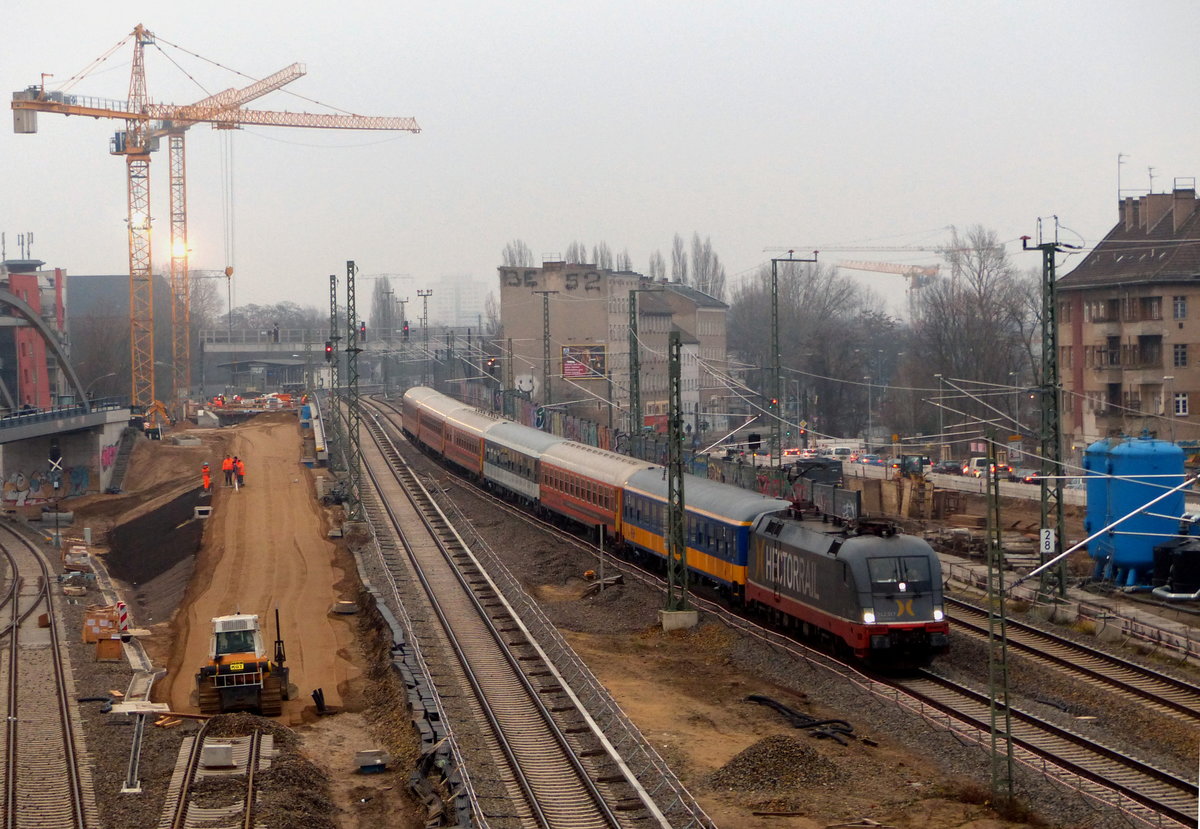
column 1157, row 206
column 1184, row 207
column 1129, row 212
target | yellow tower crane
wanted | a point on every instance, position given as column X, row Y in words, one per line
column 915, row 274
column 145, row 123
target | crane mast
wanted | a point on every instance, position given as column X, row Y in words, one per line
column 145, row 124
column 132, row 144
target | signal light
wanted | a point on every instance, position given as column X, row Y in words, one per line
column 405, row 332
column 329, row 351
column 362, row 330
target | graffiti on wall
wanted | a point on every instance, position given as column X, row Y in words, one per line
column 108, row 455
column 37, row 486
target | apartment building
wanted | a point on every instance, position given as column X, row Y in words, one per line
column 1129, row 325
column 579, row 314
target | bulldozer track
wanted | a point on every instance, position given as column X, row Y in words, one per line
column 510, row 712
column 47, row 780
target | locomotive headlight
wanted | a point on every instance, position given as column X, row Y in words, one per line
column 903, row 587
column 869, row 617
column 938, row 615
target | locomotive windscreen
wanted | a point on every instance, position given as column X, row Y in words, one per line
column 899, row 574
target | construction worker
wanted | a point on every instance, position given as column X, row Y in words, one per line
column 239, row 466
column 227, row 468
column 206, row 476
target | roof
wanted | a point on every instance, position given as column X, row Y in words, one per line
column 701, row 299
column 652, row 302
column 1144, row 253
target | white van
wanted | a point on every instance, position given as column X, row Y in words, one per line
column 842, row 453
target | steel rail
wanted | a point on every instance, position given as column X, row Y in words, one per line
column 1170, row 695
column 179, row 810
column 1162, row 791
column 437, row 526
column 57, row 792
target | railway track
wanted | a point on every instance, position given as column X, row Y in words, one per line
column 46, row 781
column 249, row 753
column 1159, row 791
column 1147, row 795
column 1164, row 693
column 548, row 762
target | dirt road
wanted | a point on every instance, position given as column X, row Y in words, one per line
column 265, row 547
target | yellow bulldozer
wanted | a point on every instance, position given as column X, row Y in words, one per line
column 239, row 675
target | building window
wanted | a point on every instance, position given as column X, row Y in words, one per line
column 1180, row 355
column 1179, row 304
column 1181, row 404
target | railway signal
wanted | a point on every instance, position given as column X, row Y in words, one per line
column 329, row 351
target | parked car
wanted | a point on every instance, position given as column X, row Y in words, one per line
column 978, row 467
column 1023, row 475
column 948, row 467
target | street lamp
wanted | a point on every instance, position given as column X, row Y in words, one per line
column 941, row 429
column 870, row 422
column 87, row 391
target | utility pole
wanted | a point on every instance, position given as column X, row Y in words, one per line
column 425, row 295
column 547, row 396
column 1051, row 479
column 635, row 373
column 998, row 709
column 941, row 412
column 353, row 413
column 677, row 570
column 404, row 373
column 777, row 373
column 334, row 393
column 388, row 331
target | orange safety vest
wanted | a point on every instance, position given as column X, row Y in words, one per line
column 241, row 467
column 227, row 465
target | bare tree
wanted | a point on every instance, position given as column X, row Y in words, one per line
column 679, row 263
column 708, row 274
column 602, row 256
column 576, row 253
column 832, row 333
column 657, row 267
column 624, row 261
column 383, row 308
column 491, row 316
column 517, row 254
column 979, row 323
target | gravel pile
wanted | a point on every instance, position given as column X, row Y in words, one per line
column 779, row 762
column 294, row 792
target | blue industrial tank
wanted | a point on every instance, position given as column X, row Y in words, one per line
column 1122, row 474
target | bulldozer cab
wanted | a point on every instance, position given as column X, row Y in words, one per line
column 236, row 634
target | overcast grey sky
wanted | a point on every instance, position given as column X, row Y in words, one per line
column 759, row 125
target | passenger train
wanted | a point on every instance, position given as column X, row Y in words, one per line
column 864, row 588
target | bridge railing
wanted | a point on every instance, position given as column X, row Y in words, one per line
column 25, row 417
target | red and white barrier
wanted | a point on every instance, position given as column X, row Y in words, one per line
column 123, row 621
